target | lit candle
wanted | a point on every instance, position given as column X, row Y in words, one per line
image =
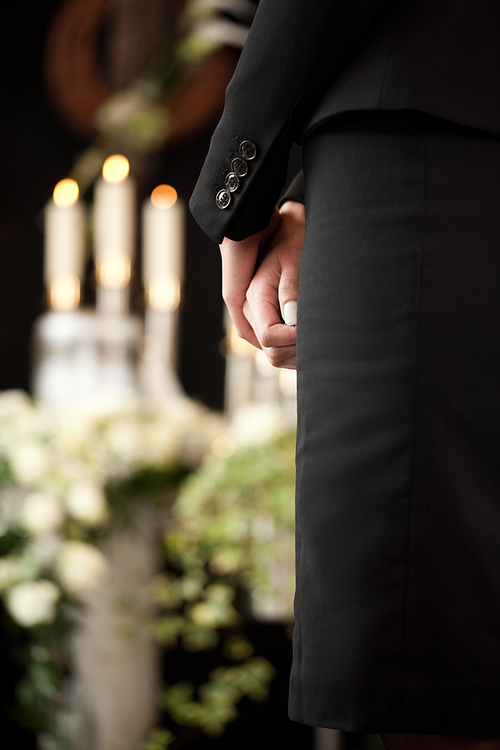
column 163, row 246
column 64, row 246
column 114, row 229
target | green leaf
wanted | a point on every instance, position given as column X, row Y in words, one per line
column 159, row 739
column 167, row 629
column 198, row 637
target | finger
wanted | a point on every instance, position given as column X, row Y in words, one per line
column 266, row 324
column 282, row 356
column 238, row 264
column 288, row 290
column 248, row 332
column 243, row 326
column 262, row 306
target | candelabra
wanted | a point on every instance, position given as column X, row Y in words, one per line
column 107, row 352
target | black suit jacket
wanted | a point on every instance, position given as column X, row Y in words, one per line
column 307, row 60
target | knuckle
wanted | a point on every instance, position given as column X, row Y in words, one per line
column 243, row 332
column 274, row 357
column 266, row 340
column 251, row 295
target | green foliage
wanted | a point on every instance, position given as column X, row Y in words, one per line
column 5, row 472
column 229, row 523
column 217, row 698
column 42, row 653
column 229, row 513
column 160, row 739
column 229, row 519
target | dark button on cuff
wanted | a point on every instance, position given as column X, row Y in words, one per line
column 223, row 198
column 239, row 167
column 232, row 182
column 247, row 150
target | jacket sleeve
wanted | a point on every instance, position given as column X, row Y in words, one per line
column 292, row 48
column 294, row 191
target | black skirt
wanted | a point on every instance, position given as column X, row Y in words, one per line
column 398, row 447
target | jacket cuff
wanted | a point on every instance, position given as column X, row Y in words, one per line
column 294, row 191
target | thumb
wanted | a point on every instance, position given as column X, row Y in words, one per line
column 288, row 293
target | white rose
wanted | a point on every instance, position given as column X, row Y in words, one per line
column 33, row 602
column 160, row 444
column 81, row 567
column 257, row 424
column 108, row 404
column 87, row 503
column 41, row 513
column 74, row 429
column 13, row 402
column 29, row 463
column 124, row 439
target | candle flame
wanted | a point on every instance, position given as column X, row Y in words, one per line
column 163, row 293
column 66, row 193
column 113, row 270
column 163, row 196
column 64, row 292
column 115, row 168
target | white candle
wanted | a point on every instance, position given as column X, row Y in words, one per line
column 114, row 233
column 163, row 248
column 64, row 246
column 114, row 210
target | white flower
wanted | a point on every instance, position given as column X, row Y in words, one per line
column 41, row 513
column 257, row 424
column 33, row 602
column 13, row 402
column 87, row 503
column 74, row 429
column 124, row 440
column 81, row 567
column 29, row 462
column 10, row 572
column 160, row 443
column 107, row 404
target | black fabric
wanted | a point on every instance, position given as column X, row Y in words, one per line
column 294, row 191
column 437, row 56
column 305, row 62
column 288, row 48
column 398, row 471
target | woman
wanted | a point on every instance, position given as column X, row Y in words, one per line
column 395, row 229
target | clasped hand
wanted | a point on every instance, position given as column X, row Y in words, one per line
column 263, row 302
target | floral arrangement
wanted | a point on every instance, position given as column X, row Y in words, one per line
column 68, row 477
column 234, row 526
column 64, row 476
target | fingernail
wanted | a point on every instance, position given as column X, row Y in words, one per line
column 290, row 313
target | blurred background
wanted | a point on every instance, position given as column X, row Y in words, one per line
column 146, row 454
column 60, row 62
